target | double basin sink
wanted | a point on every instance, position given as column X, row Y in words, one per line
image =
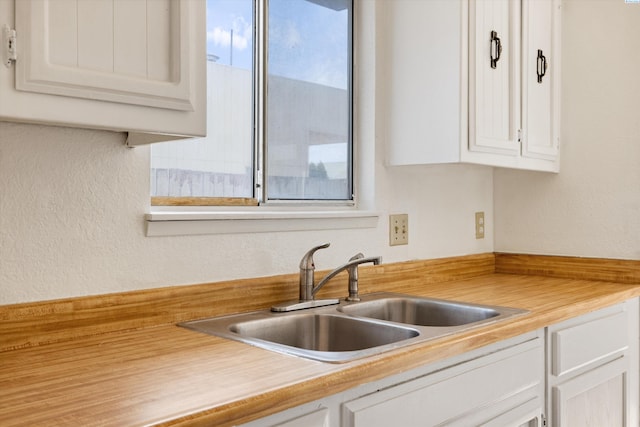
column 350, row 330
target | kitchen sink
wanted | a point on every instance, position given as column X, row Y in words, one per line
column 323, row 332
column 423, row 311
column 328, row 337
column 351, row 330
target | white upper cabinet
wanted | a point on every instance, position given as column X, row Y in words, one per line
column 494, row 76
column 125, row 65
column 541, row 80
column 472, row 81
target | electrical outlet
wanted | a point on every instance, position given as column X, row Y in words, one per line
column 398, row 229
column 480, row 225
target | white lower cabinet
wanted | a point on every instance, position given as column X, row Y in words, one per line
column 314, row 414
column 595, row 398
column 501, row 384
column 593, row 375
column 581, row 372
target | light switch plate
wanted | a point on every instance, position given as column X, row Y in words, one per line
column 398, row 229
column 480, row 225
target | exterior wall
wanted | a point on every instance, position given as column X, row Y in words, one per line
column 220, row 165
column 192, row 168
column 592, row 207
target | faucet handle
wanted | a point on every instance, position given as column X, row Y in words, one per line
column 306, row 263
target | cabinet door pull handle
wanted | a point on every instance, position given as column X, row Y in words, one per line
column 495, row 49
column 541, row 65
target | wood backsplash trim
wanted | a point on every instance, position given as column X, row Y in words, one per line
column 32, row 324
column 608, row 270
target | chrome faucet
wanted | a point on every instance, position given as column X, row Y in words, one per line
column 308, row 290
column 352, row 270
column 307, row 268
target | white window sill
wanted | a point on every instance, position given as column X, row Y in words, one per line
column 164, row 223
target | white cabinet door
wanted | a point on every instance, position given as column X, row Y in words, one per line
column 125, row 65
column 514, row 83
column 595, row 398
column 494, row 70
column 541, row 79
column 592, row 376
column 461, row 83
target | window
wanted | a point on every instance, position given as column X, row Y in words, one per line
column 279, row 109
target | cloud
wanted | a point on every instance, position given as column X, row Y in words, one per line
column 285, row 35
column 242, row 34
column 292, row 37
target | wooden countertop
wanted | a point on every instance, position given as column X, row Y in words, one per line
column 166, row 375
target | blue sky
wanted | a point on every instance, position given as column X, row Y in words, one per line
column 306, row 41
column 222, row 17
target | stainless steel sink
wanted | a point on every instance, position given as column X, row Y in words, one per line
column 323, row 332
column 423, row 311
column 351, row 330
column 320, row 334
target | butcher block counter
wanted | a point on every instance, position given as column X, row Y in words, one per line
column 120, row 360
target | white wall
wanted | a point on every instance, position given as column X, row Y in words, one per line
column 71, row 221
column 592, row 208
column 72, row 204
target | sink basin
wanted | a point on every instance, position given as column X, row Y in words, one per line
column 352, row 330
column 327, row 337
column 323, row 332
column 422, row 311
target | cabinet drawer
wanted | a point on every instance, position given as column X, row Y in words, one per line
column 576, row 346
column 454, row 393
column 292, row 418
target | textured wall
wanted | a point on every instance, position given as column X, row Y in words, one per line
column 592, row 208
column 71, row 221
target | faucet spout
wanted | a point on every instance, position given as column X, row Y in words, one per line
column 352, row 269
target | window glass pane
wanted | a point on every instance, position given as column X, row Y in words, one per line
column 220, row 165
column 308, row 100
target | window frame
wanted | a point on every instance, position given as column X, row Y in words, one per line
column 182, row 221
column 260, row 190
column 261, row 69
